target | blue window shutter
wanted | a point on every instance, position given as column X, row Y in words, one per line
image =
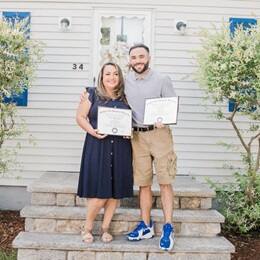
column 245, row 22
column 233, row 24
column 21, row 99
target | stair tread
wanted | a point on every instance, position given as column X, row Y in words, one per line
column 66, row 182
column 122, row 214
column 73, row 242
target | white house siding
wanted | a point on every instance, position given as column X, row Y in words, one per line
column 53, row 99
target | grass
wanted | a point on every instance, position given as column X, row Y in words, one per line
column 10, row 255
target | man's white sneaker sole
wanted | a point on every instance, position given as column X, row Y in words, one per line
column 146, row 236
column 171, row 244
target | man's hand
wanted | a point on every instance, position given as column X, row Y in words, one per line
column 83, row 96
column 127, row 137
column 159, row 125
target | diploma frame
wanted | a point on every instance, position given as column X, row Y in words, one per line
column 114, row 121
column 162, row 110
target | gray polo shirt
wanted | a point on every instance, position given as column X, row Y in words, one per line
column 152, row 85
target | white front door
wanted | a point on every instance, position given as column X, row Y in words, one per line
column 114, row 32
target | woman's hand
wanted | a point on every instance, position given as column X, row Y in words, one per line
column 96, row 134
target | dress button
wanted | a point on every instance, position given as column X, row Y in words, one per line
column 111, row 165
column 111, row 153
column 112, row 141
column 115, row 107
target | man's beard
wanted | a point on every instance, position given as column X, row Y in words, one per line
column 146, row 66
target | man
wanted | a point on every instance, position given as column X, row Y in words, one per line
column 150, row 144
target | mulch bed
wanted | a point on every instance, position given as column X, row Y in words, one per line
column 10, row 225
column 247, row 247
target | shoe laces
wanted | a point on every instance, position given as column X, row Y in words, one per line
column 140, row 226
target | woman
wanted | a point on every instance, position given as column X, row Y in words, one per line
column 106, row 164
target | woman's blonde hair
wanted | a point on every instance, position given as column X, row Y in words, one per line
column 119, row 89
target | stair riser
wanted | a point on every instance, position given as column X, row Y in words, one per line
column 71, row 200
column 32, row 254
column 117, row 227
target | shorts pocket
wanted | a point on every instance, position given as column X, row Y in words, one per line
column 166, row 165
column 172, row 164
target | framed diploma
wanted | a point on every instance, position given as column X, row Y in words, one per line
column 114, row 121
column 161, row 110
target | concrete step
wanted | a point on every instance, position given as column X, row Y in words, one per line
column 39, row 246
column 59, row 188
column 71, row 220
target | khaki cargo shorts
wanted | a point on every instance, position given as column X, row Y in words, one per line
column 155, row 146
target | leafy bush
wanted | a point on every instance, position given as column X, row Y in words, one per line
column 12, row 255
column 242, row 214
column 19, row 56
column 229, row 69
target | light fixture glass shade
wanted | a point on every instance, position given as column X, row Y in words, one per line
column 64, row 23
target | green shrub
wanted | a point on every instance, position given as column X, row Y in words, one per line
column 241, row 209
column 19, row 57
column 229, row 69
column 12, row 255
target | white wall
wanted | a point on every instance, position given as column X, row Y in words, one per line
column 50, row 114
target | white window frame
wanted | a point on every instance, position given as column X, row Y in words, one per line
column 99, row 13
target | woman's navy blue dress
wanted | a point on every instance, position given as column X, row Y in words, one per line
column 106, row 164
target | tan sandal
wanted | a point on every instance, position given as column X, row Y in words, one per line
column 87, row 236
column 106, row 237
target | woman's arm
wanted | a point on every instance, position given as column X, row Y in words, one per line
column 82, row 118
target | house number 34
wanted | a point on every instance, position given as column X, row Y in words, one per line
column 77, row 66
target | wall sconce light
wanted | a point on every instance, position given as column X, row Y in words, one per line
column 181, row 26
column 65, row 24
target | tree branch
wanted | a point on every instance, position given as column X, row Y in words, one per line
column 253, row 138
column 233, row 113
column 231, row 119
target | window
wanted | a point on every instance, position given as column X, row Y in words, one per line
column 115, row 32
column 234, row 23
column 22, row 99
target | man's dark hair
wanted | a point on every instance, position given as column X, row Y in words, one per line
column 139, row 45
